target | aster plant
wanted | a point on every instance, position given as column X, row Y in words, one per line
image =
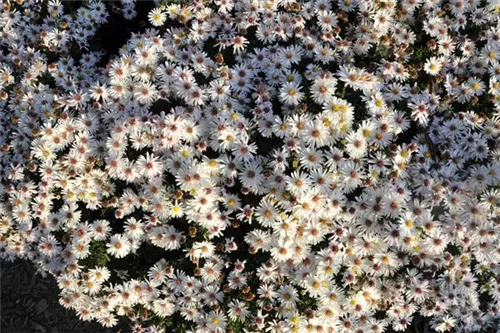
column 257, row 165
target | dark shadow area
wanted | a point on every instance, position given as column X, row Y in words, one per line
column 30, row 304
column 111, row 36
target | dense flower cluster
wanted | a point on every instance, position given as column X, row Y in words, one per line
column 290, row 166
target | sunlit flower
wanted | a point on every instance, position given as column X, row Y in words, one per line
column 118, row 246
column 433, row 66
column 157, row 17
column 294, row 175
column 149, row 166
column 290, row 93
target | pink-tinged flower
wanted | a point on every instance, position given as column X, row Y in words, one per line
column 149, row 166
column 118, row 246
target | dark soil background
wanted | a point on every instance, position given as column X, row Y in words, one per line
column 30, row 304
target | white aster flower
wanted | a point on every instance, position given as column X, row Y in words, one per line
column 433, row 66
column 290, row 93
column 157, row 17
column 118, row 246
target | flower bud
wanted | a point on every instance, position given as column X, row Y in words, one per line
column 245, row 290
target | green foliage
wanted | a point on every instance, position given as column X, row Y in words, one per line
column 174, row 323
column 238, row 326
column 421, row 54
column 380, row 52
column 98, row 256
column 306, row 302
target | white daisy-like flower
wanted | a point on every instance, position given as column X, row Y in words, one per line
column 316, row 134
column 149, row 166
column 323, row 89
column 282, row 250
column 134, row 228
column 356, row 145
column 445, row 324
column 298, row 183
column 118, row 246
column 433, row 66
column 251, row 176
column 290, row 93
column 99, row 274
column 100, row 229
column 288, row 295
column 203, row 249
column 216, row 321
column 238, row 311
column 157, row 17
column 146, row 93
